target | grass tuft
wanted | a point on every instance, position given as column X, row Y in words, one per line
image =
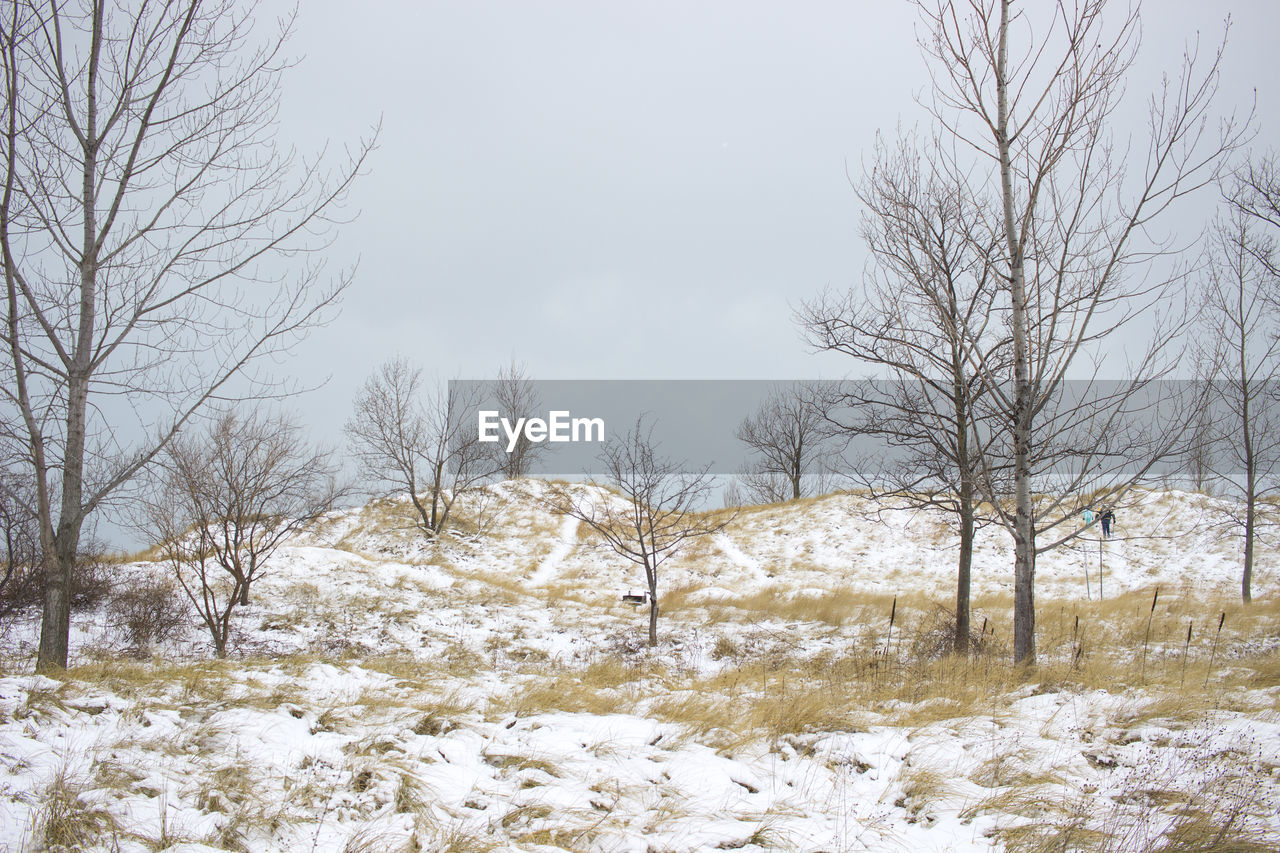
column 65, row 821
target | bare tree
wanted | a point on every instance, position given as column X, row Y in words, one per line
column 418, row 439
column 517, row 397
column 1241, row 320
column 1201, row 455
column 924, row 305
column 788, row 435
column 1022, row 101
column 227, row 500
column 157, row 242
column 656, row 511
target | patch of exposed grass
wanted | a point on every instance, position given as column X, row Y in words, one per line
column 605, row 686
column 40, row 701
column 726, row 713
column 921, row 789
column 556, row 594
column 448, row 837
column 439, row 715
column 65, row 821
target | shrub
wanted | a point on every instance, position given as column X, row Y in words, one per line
column 149, row 611
column 20, row 588
column 935, row 637
column 92, row 582
column 22, row 583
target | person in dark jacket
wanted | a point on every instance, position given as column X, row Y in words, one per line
column 1107, row 517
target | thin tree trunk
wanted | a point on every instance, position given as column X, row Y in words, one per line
column 652, row 576
column 1250, row 462
column 423, row 513
column 1024, row 618
column 435, row 499
column 960, row 396
column 1246, row 582
column 55, row 625
column 964, row 567
column 1250, row 505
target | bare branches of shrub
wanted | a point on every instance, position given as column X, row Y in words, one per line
column 149, row 611
column 227, row 499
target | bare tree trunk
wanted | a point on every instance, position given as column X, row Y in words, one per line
column 651, row 575
column 653, row 620
column 56, row 619
column 797, row 472
column 435, row 497
column 1250, row 517
column 1250, row 489
column 220, row 639
column 424, row 514
column 963, row 571
column 967, row 525
column 1024, row 619
column 965, row 493
column 59, row 566
column 1250, row 461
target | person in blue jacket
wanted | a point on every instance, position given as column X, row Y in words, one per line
column 1107, row 518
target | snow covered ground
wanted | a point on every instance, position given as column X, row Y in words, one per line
column 493, row 694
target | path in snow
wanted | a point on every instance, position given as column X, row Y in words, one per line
column 565, row 541
column 739, row 557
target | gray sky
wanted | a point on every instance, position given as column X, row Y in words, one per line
column 625, row 189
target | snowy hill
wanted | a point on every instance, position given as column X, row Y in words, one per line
column 492, row 693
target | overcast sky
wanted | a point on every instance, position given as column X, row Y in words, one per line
column 626, row 189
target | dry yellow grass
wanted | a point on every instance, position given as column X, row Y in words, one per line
column 64, row 821
column 765, row 692
column 603, row 687
column 566, row 590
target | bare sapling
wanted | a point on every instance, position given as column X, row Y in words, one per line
column 653, row 511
